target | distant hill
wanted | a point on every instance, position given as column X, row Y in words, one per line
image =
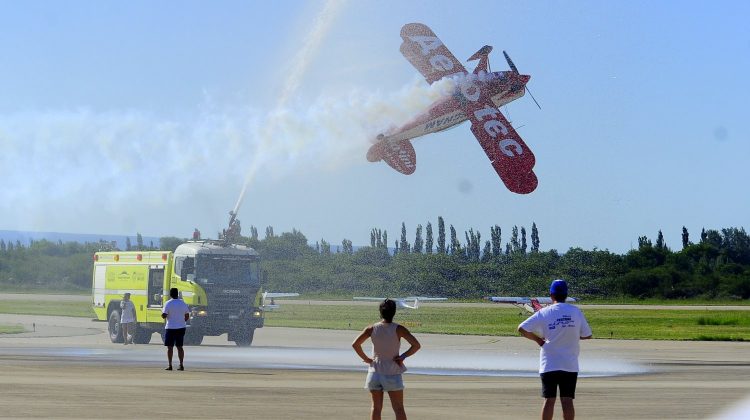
column 26, row 237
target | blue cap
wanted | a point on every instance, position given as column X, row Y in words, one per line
column 558, row 287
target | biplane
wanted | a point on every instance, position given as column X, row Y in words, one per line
column 476, row 97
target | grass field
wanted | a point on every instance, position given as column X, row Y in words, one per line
column 35, row 307
column 632, row 324
column 11, row 329
column 637, row 324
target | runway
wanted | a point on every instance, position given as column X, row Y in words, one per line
column 68, row 368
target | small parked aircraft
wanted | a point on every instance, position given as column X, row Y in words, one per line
column 403, row 302
column 476, row 98
column 531, row 304
column 272, row 304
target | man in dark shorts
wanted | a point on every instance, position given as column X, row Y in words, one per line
column 177, row 313
column 557, row 329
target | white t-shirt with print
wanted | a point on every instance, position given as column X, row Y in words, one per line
column 561, row 325
column 175, row 310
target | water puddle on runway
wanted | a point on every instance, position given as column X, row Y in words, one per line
column 426, row 362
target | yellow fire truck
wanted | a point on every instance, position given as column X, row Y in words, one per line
column 219, row 282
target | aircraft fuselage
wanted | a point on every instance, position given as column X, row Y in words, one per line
column 446, row 112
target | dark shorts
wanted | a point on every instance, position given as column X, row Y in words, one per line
column 559, row 378
column 174, row 337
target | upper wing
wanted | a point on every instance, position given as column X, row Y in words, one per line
column 512, row 159
column 547, row 301
column 427, row 53
column 508, row 299
column 278, row 295
column 425, row 299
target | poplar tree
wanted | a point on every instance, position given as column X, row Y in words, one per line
column 418, row 243
column 428, row 239
column 347, row 247
column 660, row 241
column 515, row 246
column 455, row 247
column 325, row 247
column 404, row 246
column 685, row 238
column 441, row 236
column 487, row 251
column 523, row 240
column 496, row 235
column 534, row 238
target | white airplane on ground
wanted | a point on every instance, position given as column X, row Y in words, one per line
column 531, row 304
column 273, row 305
column 403, row 302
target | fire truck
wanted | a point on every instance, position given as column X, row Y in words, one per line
column 220, row 282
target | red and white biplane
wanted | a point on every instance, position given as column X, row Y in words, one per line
column 477, row 97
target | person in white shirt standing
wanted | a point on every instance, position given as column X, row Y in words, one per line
column 127, row 319
column 177, row 313
column 557, row 329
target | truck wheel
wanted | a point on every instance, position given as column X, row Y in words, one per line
column 192, row 339
column 244, row 338
column 114, row 326
column 142, row 335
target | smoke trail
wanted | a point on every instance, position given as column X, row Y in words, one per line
column 61, row 167
column 301, row 63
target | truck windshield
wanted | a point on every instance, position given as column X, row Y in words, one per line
column 226, row 269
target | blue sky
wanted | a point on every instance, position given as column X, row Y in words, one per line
column 146, row 116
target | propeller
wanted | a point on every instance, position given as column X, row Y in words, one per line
column 515, row 70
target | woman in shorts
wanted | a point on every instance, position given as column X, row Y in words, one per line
column 386, row 364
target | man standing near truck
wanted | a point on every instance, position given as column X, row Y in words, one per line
column 177, row 313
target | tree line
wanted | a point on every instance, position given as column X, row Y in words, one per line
column 439, row 262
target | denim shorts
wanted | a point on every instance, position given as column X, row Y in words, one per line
column 379, row 382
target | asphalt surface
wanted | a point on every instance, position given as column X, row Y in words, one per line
column 67, row 368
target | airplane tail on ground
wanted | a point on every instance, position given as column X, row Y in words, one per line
column 536, row 305
column 398, row 155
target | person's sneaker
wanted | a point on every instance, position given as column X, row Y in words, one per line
column 169, row 368
column 181, row 367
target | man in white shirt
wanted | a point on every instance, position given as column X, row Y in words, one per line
column 127, row 319
column 177, row 313
column 557, row 329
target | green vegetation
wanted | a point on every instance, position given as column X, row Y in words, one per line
column 635, row 324
column 631, row 324
column 35, row 307
column 716, row 268
column 11, row 329
column 704, row 320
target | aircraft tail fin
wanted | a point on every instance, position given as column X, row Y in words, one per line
column 483, row 55
column 399, row 155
